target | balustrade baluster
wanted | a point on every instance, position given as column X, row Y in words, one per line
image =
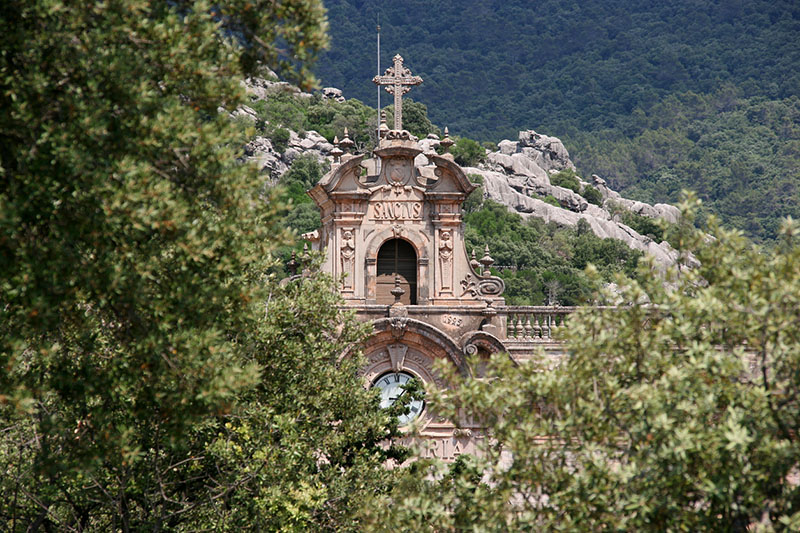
column 537, row 330
column 534, row 324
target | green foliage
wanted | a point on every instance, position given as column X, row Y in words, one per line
column 592, row 195
column 678, row 410
column 280, row 139
column 330, row 118
column 153, row 377
column 740, row 155
column 567, row 179
column 653, row 97
column 653, row 228
column 310, row 433
column 552, row 200
column 543, row 263
column 467, row 152
column 327, row 117
column 304, row 173
column 415, row 118
column 475, row 199
column 304, row 217
column 591, row 65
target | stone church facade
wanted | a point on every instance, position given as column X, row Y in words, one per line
column 392, row 231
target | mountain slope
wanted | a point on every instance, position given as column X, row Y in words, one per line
column 600, row 75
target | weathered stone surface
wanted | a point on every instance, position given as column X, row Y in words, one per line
column 428, row 144
column 522, row 164
column 307, row 144
column 668, row 212
column 245, row 111
column 503, row 161
column 260, row 88
column 516, row 163
column 332, row 93
column 397, row 80
column 507, row 147
column 511, row 191
column 291, row 154
column 260, row 152
column 551, row 147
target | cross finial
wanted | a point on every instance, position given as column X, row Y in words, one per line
column 398, row 81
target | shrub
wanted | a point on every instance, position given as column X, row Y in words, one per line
column 304, row 173
column 467, row 152
column 550, row 199
column 567, row 179
column 592, row 195
column 280, row 139
column 644, row 225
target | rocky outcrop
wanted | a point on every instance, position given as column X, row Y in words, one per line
column 668, row 212
column 262, row 88
column 505, row 190
column 332, row 93
column 518, row 175
column 261, row 152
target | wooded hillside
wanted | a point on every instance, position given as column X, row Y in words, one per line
column 654, row 97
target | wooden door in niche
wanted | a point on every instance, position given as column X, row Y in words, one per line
column 396, row 257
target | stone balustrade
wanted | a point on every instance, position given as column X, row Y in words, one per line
column 530, row 323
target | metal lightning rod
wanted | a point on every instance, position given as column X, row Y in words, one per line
column 378, row 123
column 378, row 130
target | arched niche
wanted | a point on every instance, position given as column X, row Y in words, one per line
column 396, row 259
column 373, row 245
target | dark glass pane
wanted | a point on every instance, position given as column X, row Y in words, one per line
column 396, row 258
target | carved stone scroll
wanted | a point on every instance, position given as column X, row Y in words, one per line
column 492, row 286
column 482, row 286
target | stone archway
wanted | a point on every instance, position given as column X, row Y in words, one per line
column 410, row 346
column 479, row 346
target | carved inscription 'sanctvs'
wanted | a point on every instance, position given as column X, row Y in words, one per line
column 389, row 210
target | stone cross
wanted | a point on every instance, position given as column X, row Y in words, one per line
column 398, row 81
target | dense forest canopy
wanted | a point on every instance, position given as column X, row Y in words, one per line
column 653, row 96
